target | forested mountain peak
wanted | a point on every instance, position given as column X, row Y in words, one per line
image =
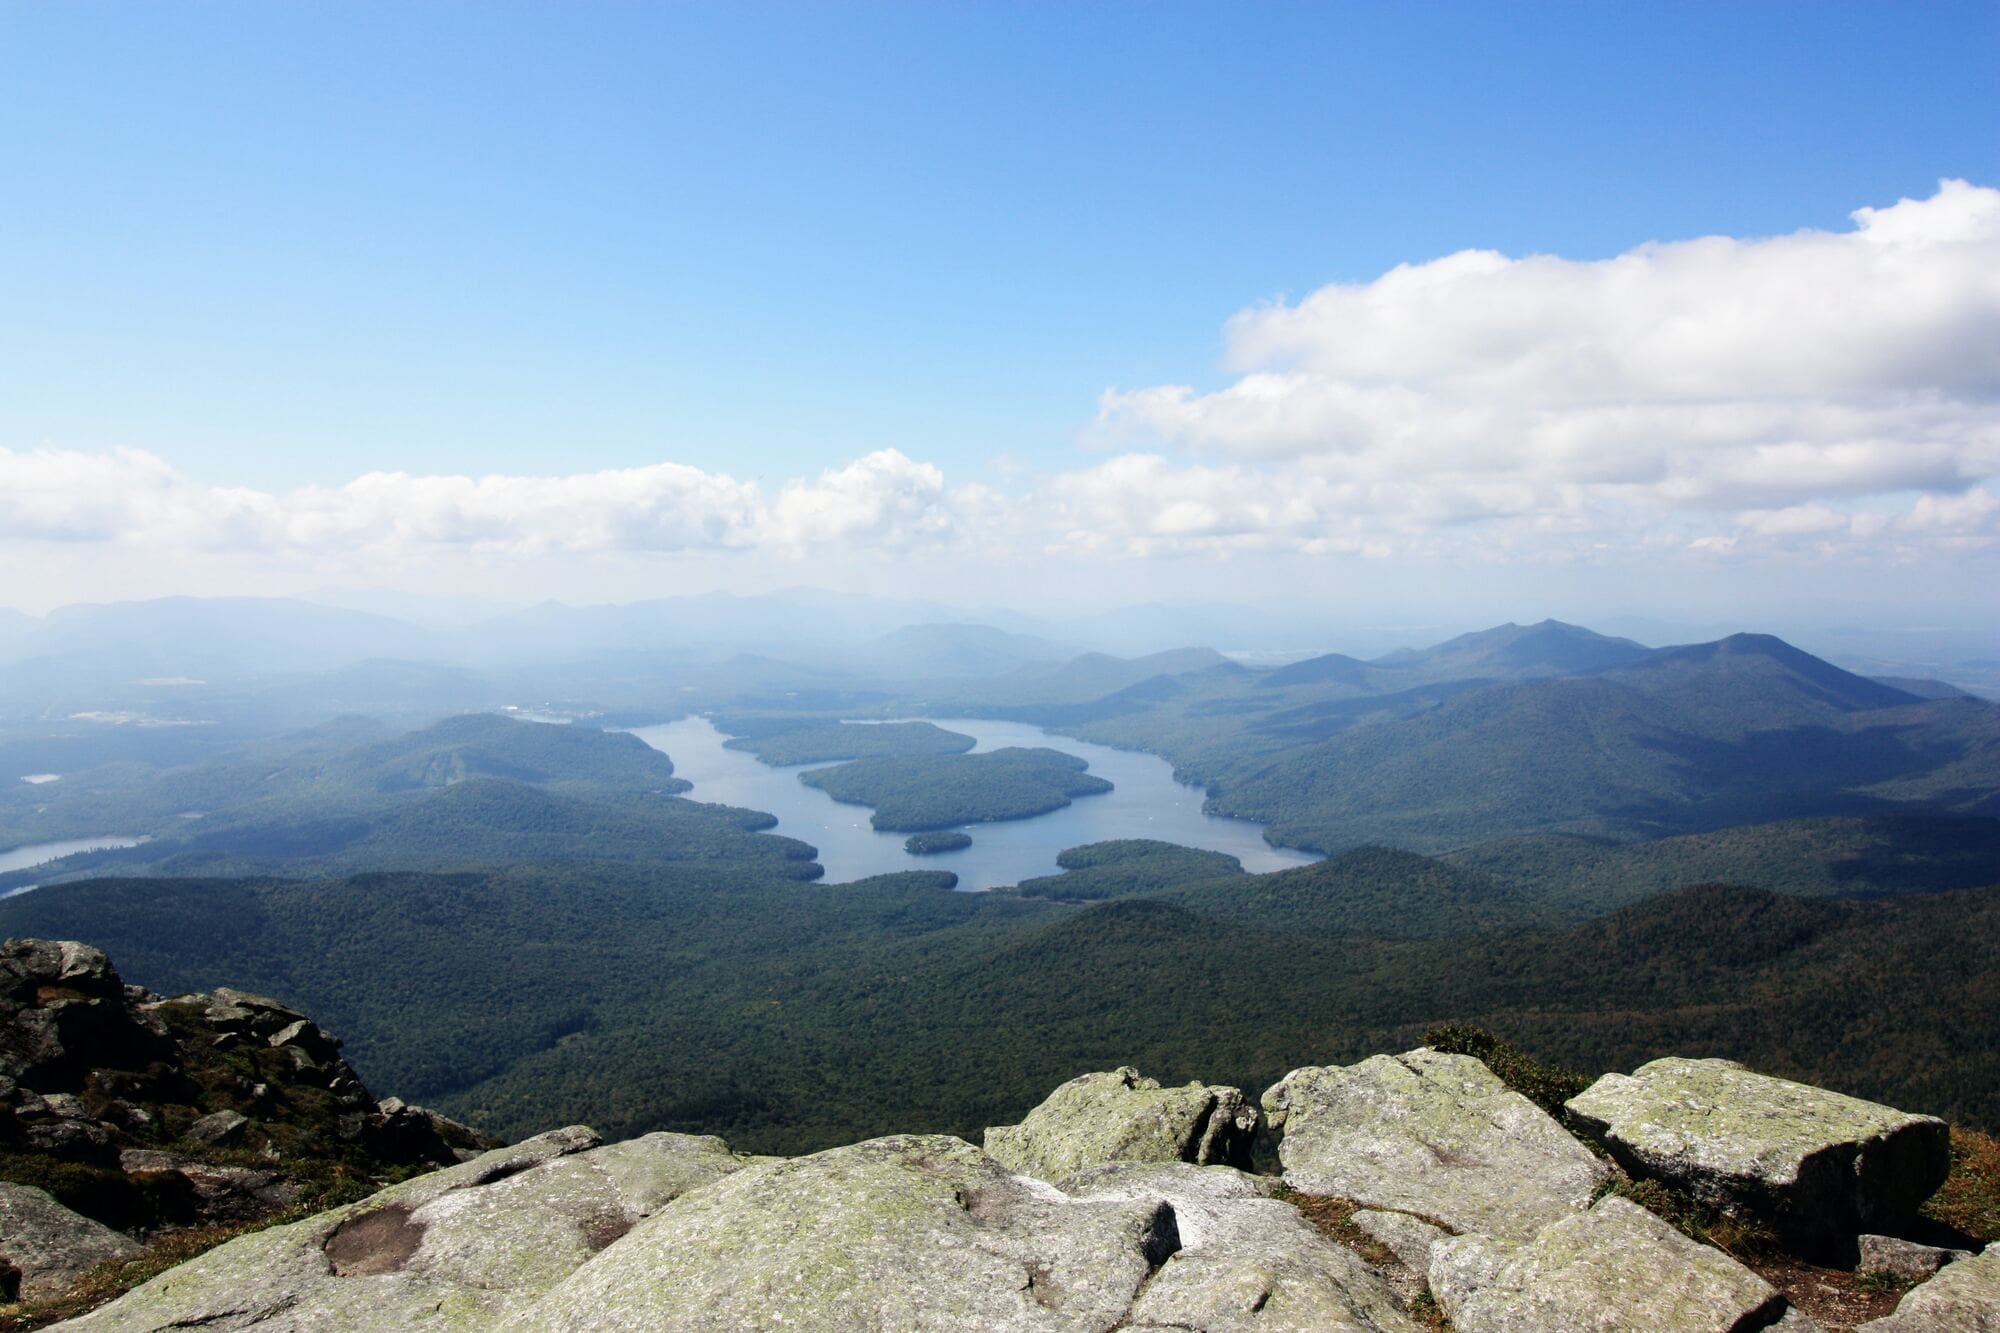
column 1548, row 647
column 1328, row 667
column 1758, row 662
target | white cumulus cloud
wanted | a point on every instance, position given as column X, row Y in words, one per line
column 134, row 498
column 1711, row 377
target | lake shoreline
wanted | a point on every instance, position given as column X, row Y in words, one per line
column 1146, row 802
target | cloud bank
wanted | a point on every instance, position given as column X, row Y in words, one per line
column 1715, row 388
column 1823, row 395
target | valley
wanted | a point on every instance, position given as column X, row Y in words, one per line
column 634, row 912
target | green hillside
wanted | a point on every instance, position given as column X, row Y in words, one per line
column 1809, row 857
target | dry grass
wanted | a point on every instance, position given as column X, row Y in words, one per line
column 1969, row 1202
column 1333, row 1217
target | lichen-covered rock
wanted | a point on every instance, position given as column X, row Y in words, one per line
column 48, row 1245
column 472, row 1246
column 1906, row 1259
column 1121, row 1117
column 1433, row 1134
column 910, row 1232
column 1963, row 1298
column 1818, row 1165
column 1247, row 1261
column 1613, row 1269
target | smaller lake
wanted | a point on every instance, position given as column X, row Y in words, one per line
column 41, row 853
column 1145, row 802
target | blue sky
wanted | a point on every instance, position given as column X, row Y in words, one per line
column 281, row 246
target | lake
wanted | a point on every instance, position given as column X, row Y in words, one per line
column 1145, row 802
column 41, row 853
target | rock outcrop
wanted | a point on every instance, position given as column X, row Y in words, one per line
column 1121, row 1117
column 47, row 1247
column 1434, row 1135
column 1615, row 1267
column 161, row 1113
column 1818, row 1165
column 91, row 1068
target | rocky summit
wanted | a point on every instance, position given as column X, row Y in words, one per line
column 1419, row 1192
column 156, row 1114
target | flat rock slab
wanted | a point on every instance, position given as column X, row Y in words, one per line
column 50, row 1245
column 1818, row 1165
column 472, row 1246
column 1963, row 1298
column 909, row 1232
column 1122, row 1117
column 1247, row 1261
column 1905, row 1259
column 1432, row 1134
column 1614, row 1269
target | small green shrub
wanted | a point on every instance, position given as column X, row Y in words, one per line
column 1545, row 1085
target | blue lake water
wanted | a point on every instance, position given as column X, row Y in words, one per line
column 41, row 853
column 1145, row 802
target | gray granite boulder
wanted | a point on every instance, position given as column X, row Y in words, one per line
column 473, row 1246
column 1818, row 1165
column 1963, row 1298
column 218, row 1129
column 51, row 1246
column 1906, row 1259
column 1121, row 1117
column 1614, row 1269
column 909, row 1232
column 1247, row 1261
column 1434, row 1135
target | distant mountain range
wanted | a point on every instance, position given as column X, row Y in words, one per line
column 236, row 638
column 1553, row 728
